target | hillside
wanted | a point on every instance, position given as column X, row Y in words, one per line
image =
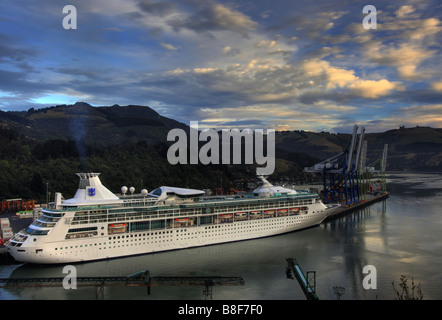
column 409, row 149
column 128, row 145
column 412, row 149
column 418, row 148
column 92, row 125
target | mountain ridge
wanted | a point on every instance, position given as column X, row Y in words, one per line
column 418, row 148
column 96, row 125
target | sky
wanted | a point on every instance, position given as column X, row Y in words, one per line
column 280, row 64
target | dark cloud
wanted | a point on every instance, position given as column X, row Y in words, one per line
column 14, row 55
column 17, row 83
column 155, row 8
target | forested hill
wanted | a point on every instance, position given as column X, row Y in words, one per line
column 91, row 125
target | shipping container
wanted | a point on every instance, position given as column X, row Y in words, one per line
column 7, row 235
column 4, row 223
column 6, row 229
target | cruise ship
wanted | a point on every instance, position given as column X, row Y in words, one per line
column 97, row 224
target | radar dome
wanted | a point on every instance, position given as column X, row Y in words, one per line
column 123, row 190
column 144, row 192
column 132, row 190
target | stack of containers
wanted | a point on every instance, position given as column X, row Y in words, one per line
column 6, row 229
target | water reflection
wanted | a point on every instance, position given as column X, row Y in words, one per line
column 356, row 235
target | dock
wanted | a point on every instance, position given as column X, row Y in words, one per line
column 345, row 209
column 139, row 279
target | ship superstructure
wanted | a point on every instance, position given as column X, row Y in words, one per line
column 97, row 224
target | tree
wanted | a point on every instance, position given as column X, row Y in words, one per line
column 405, row 293
column 37, row 185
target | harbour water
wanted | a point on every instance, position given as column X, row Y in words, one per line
column 398, row 236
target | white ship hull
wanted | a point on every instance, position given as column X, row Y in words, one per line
column 80, row 250
column 97, row 225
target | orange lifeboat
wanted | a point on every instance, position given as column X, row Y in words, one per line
column 117, row 225
column 181, row 219
column 226, row 215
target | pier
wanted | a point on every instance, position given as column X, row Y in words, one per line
column 343, row 210
column 139, row 279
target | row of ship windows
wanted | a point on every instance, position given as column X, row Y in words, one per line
column 123, row 215
column 166, row 235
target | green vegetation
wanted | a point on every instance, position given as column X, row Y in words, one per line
column 405, row 292
column 28, row 167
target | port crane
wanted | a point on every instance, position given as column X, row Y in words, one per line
column 345, row 175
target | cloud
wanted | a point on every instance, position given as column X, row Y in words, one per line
column 424, row 114
column 333, row 77
column 373, row 89
column 168, row 46
column 437, row 86
column 156, row 8
column 405, row 57
column 214, row 16
column 404, row 10
column 189, row 15
column 291, row 65
column 275, row 116
column 405, row 40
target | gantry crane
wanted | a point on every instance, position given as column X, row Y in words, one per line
column 345, row 175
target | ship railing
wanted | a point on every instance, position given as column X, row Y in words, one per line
column 164, row 212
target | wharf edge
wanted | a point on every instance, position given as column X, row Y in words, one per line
column 339, row 212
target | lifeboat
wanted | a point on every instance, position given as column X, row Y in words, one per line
column 227, row 215
column 255, row 212
column 181, row 219
column 269, row 211
column 282, row 210
column 117, row 225
column 240, row 214
column 294, row 209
